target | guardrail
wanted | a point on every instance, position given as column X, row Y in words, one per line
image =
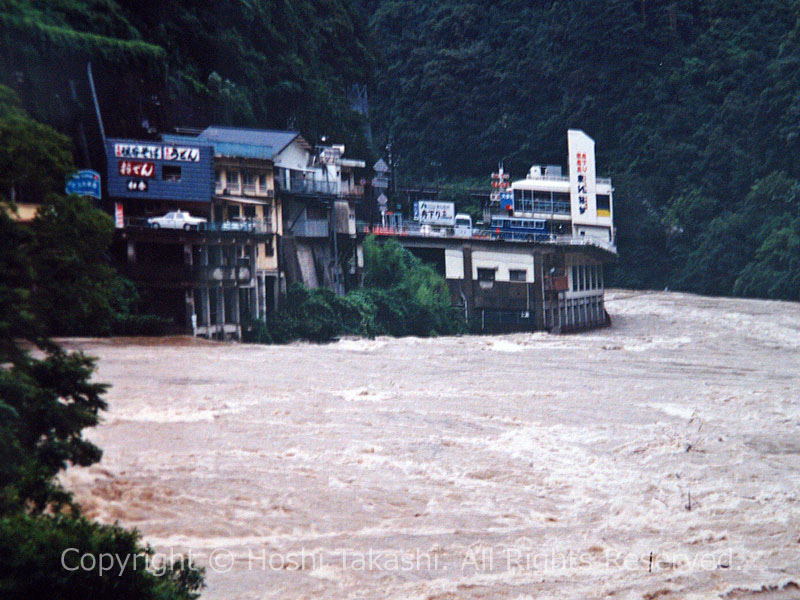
column 487, row 234
column 245, row 225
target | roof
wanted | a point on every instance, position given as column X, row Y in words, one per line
column 243, row 143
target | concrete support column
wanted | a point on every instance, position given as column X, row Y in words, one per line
column 190, row 312
column 237, row 317
column 221, row 311
column 206, row 309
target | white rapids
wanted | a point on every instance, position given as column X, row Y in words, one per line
column 659, row 458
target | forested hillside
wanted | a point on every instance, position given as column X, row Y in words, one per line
column 284, row 63
column 694, row 107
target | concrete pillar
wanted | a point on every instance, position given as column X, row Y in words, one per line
column 538, row 291
column 221, row 311
column 189, row 297
column 469, row 283
column 206, row 309
column 237, row 317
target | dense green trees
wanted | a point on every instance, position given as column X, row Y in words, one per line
column 283, row 63
column 401, row 296
column 53, row 276
column 692, row 105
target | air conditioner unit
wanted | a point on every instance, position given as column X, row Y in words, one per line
column 535, row 172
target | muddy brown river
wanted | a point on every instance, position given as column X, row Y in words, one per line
column 659, row 458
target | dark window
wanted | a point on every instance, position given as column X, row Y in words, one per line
column 486, row 274
column 250, row 211
column 170, row 173
column 234, row 211
column 603, row 202
column 517, row 274
column 218, row 213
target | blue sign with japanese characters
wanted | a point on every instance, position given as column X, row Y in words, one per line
column 84, row 183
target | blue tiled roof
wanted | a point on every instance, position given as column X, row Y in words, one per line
column 245, row 143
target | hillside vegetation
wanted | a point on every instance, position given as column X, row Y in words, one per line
column 694, row 105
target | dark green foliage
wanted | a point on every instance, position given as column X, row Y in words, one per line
column 67, row 281
column 233, row 62
column 47, row 401
column 401, row 296
column 691, row 105
column 36, row 552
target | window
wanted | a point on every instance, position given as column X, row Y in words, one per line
column 234, row 211
column 603, row 205
column 523, row 200
column 233, row 180
column 262, row 183
column 517, row 274
column 218, row 178
column 574, row 279
column 170, row 173
column 486, row 274
column 250, row 211
column 249, row 182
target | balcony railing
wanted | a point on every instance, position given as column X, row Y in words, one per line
column 353, row 191
column 246, row 225
column 222, row 273
column 301, row 185
column 311, row 228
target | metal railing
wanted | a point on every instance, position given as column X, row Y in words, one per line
column 307, row 185
column 542, row 206
column 247, row 225
column 310, row 228
column 415, row 229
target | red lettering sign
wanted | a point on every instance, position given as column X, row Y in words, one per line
column 136, row 168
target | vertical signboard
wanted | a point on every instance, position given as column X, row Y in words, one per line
column 582, row 178
column 119, row 216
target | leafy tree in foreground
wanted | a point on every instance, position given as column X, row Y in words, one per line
column 52, row 274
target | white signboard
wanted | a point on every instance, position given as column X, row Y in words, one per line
column 582, row 178
column 137, row 151
column 182, row 153
column 435, row 213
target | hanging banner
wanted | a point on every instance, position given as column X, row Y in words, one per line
column 84, row 183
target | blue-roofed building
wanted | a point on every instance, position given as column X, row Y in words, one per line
column 193, row 265
column 307, row 193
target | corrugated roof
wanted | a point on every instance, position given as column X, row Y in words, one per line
column 244, row 143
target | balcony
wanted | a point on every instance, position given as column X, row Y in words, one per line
column 222, row 273
column 242, row 225
column 309, row 186
column 311, row 228
column 353, row 191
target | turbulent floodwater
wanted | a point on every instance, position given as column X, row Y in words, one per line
column 517, row 466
